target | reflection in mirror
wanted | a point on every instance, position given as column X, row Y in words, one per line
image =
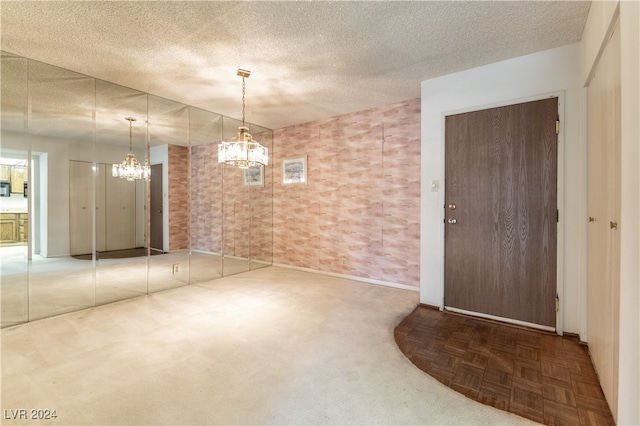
column 261, row 251
column 205, row 130
column 74, row 236
column 236, row 219
column 168, row 194
column 61, row 130
column 120, row 233
column 13, row 206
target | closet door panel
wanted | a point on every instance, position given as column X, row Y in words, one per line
column 121, row 213
column 80, row 208
column 101, row 220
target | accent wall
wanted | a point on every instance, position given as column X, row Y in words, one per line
column 358, row 214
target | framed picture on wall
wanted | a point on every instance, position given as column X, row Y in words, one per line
column 254, row 176
column 294, row 170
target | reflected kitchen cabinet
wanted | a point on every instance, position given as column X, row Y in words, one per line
column 5, row 172
column 18, row 177
column 13, row 228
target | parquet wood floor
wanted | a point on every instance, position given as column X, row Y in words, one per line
column 541, row 376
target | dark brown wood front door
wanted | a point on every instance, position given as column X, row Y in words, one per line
column 155, row 202
column 501, row 211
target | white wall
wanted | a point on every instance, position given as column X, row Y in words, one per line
column 553, row 71
column 602, row 18
column 54, row 202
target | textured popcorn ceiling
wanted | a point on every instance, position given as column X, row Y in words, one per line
column 309, row 60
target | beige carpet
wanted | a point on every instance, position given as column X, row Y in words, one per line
column 272, row 346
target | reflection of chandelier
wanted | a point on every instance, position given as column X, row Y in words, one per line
column 244, row 152
column 130, row 169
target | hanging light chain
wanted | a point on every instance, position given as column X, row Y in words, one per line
column 243, row 105
column 130, row 135
column 130, row 120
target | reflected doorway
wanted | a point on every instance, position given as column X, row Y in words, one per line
column 155, row 193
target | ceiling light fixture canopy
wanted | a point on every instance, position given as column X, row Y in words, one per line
column 130, row 169
column 243, row 152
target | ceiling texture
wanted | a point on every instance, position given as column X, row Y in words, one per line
column 309, row 60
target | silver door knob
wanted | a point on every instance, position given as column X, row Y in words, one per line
column 452, row 221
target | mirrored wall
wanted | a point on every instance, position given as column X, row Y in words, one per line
column 73, row 236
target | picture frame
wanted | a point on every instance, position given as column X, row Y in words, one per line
column 294, row 170
column 253, row 176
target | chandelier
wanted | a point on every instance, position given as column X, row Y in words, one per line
column 243, row 152
column 130, row 169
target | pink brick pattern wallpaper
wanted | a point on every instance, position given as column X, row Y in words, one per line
column 262, row 208
column 178, row 197
column 228, row 216
column 206, row 199
column 359, row 213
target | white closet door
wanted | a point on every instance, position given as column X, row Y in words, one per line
column 101, row 204
column 80, row 207
column 121, row 213
column 603, row 248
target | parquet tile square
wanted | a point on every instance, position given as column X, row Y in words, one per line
column 550, row 368
column 480, row 342
column 456, row 345
column 469, row 393
column 553, row 352
column 528, row 371
column 446, row 362
column 501, row 360
column 528, row 385
column 538, row 375
column 490, row 398
column 587, row 388
column 495, row 389
column 559, row 394
column 526, row 399
column 559, row 414
column 497, row 377
column 534, row 415
column 530, row 338
column 591, row 404
column 552, row 381
column 468, row 377
column 527, row 352
column 595, row 418
column 475, row 359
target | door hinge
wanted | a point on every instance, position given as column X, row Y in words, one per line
column 557, row 303
column 557, row 127
column 557, row 216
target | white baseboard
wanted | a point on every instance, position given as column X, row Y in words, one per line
column 350, row 277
